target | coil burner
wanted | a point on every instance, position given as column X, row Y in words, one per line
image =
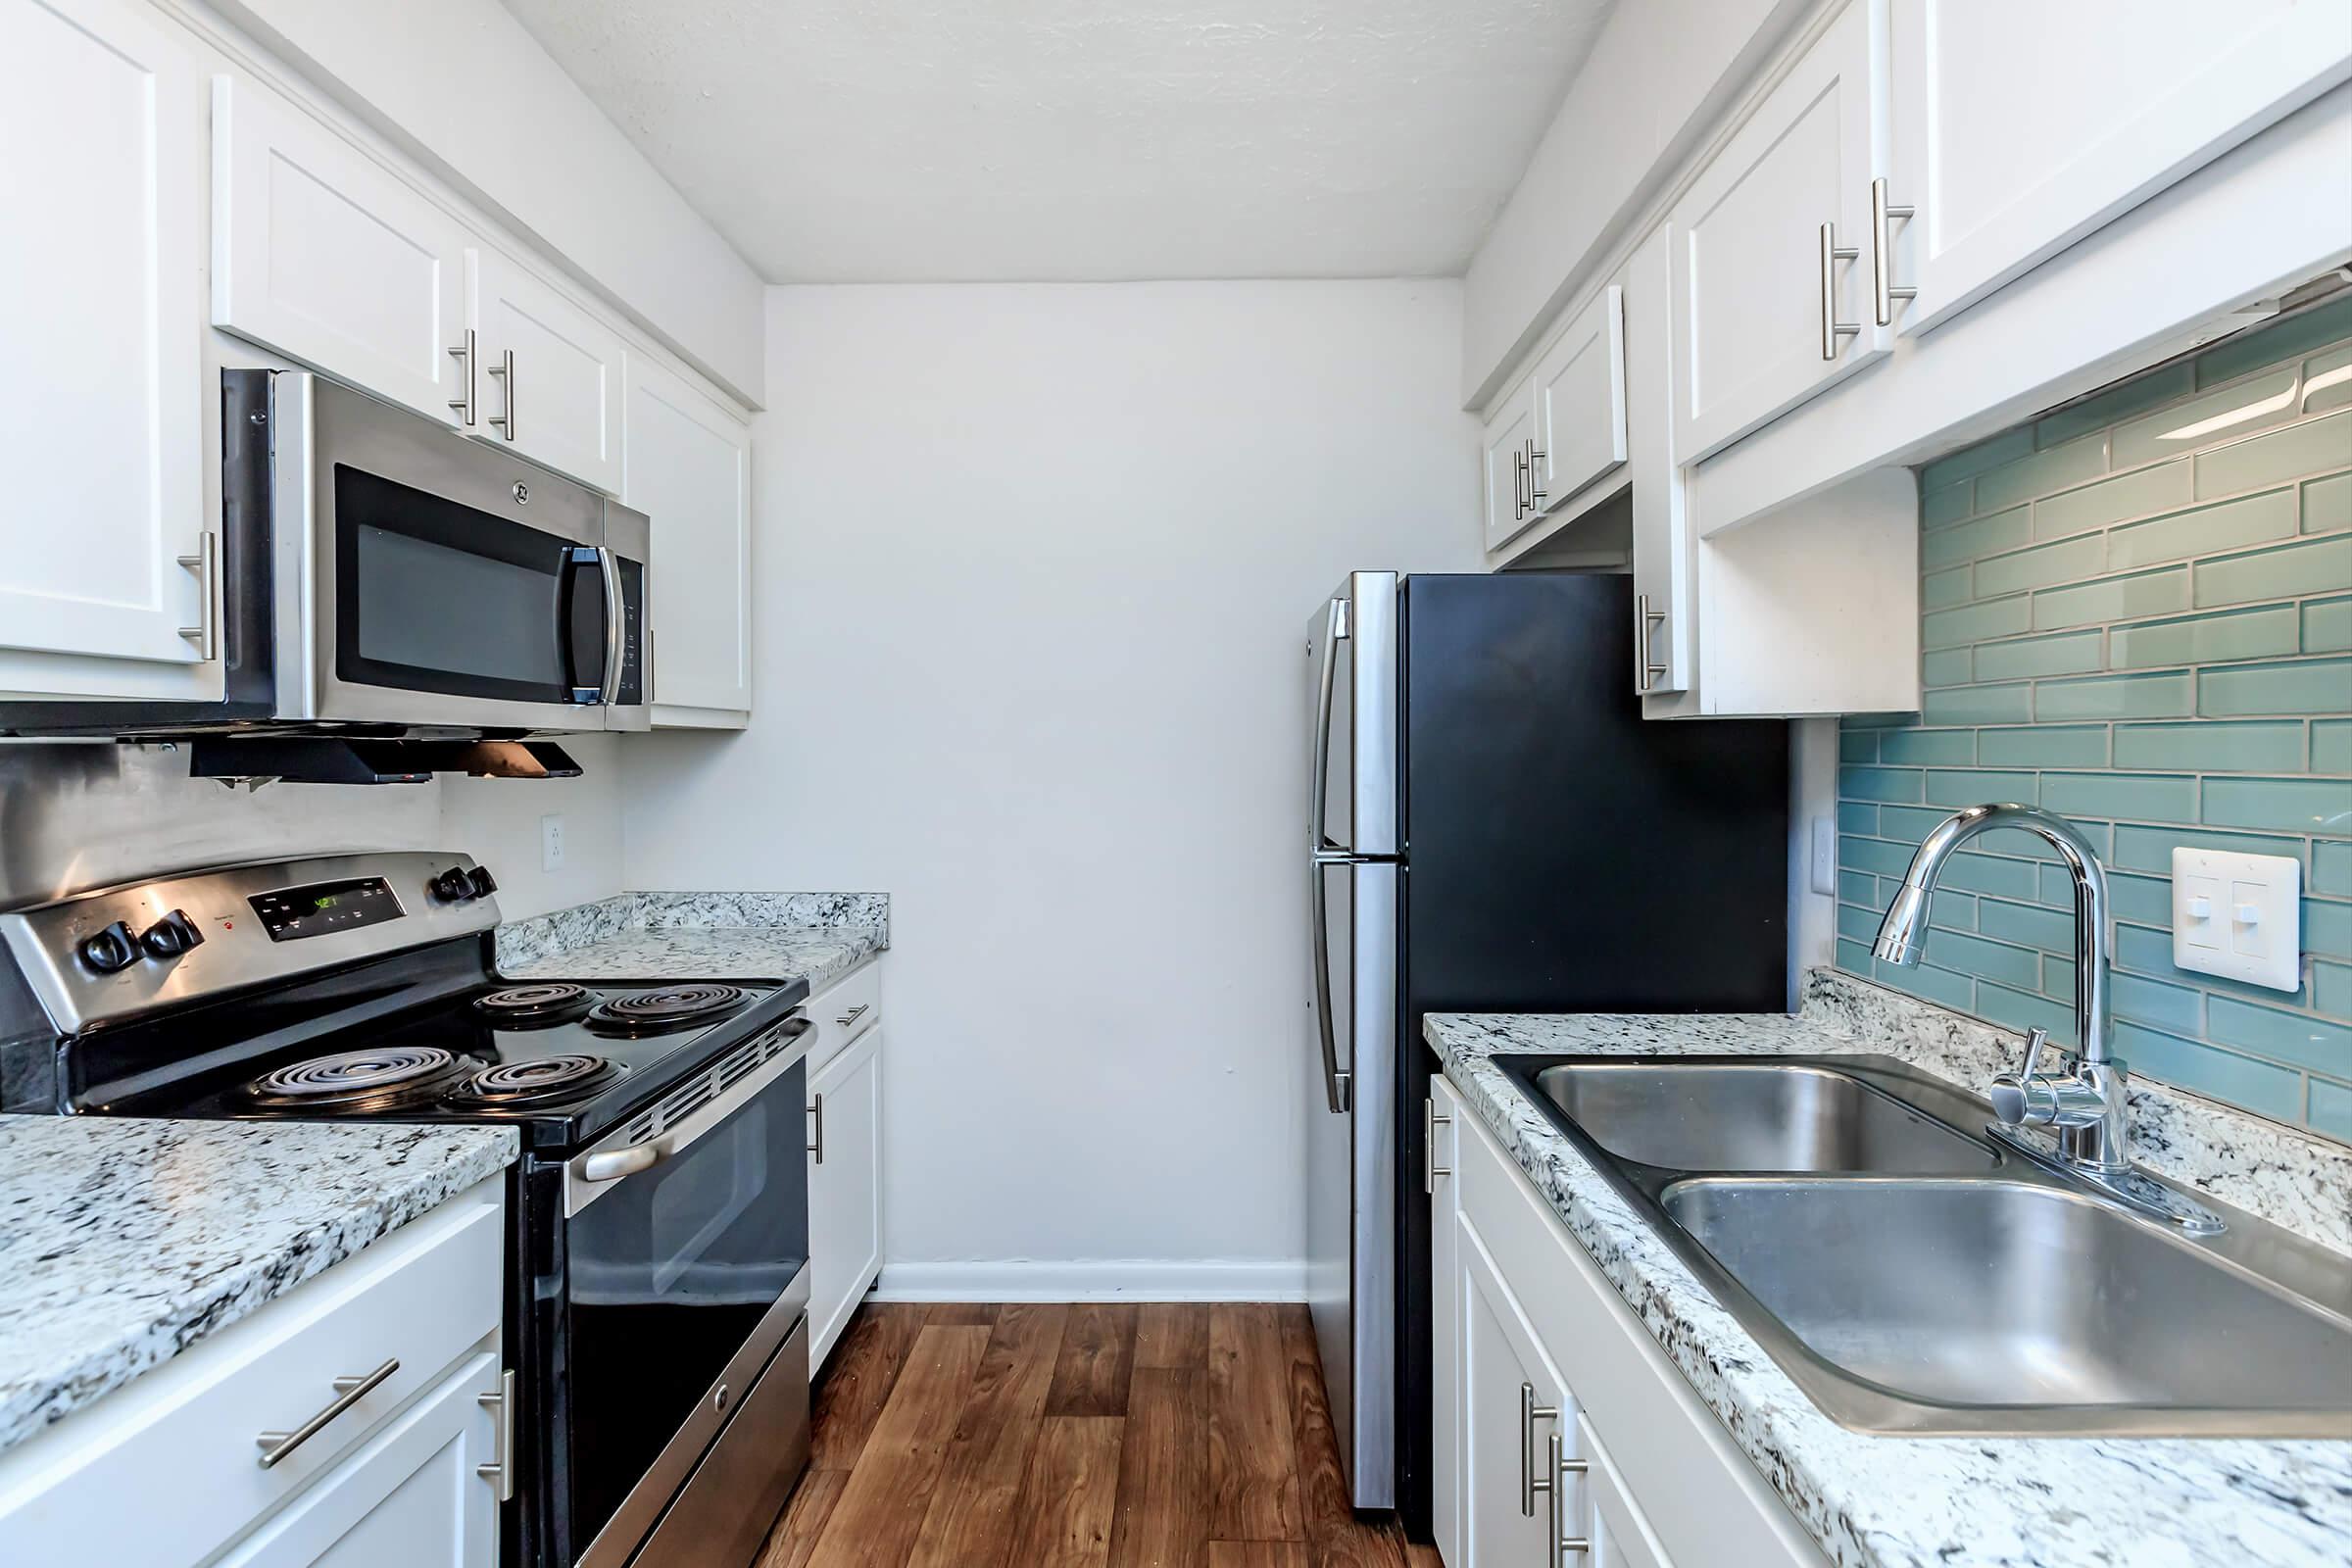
column 522, row 1083
column 360, row 1080
column 534, row 1006
column 664, row 1010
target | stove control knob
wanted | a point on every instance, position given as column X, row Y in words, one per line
column 109, row 950
column 172, row 936
column 452, row 886
column 482, row 882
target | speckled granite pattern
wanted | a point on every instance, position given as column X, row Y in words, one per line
column 123, row 1243
column 823, row 953
column 528, row 943
column 2287, row 1176
column 1898, row 1502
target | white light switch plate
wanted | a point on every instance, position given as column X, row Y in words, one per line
column 2239, row 917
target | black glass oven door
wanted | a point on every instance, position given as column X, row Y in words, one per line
column 435, row 596
column 670, row 1272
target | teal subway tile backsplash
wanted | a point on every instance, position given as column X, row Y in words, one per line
column 2230, row 526
column 2263, row 633
column 2313, row 565
column 2320, row 806
column 2154, row 695
column 2328, row 626
column 2137, row 614
column 2144, row 593
column 2312, row 686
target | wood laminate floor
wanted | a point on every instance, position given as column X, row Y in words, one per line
column 1092, row 1435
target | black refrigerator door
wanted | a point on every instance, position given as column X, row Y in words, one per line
column 1563, row 855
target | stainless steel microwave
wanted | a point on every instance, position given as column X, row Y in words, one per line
column 381, row 574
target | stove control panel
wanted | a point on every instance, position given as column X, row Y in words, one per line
column 289, row 915
column 138, row 947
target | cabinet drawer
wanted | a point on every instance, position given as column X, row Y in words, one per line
column 844, row 1010
column 181, row 1440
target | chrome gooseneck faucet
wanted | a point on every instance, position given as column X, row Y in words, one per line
column 2086, row 1102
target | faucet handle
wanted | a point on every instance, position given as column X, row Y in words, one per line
column 2012, row 1093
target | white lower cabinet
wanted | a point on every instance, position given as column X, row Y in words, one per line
column 845, row 1155
column 1565, row 1438
column 413, row 1497
column 408, row 1332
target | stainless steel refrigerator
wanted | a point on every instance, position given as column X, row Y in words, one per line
column 1492, row 826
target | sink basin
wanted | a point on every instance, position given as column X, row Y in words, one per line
column 1913, row 1278
column 2029, row 1304
column 1753, row 1116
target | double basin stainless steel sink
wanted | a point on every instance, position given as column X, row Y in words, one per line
column 1912, row 1276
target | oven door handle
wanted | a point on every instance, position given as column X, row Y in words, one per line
column 614, row 1164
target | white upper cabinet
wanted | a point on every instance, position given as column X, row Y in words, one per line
column 103, row 410
column 1771, row 261
column 1663, row 585
column 327, row 257
column 2021, row 125
column 688, row 466
column 1508, row 443
column 550, row 372
column 1579, row 402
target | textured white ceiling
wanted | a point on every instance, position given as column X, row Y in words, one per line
column 919, row 140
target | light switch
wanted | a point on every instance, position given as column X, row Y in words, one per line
column 2239, row 917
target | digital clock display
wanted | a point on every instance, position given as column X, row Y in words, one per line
column 292, row 914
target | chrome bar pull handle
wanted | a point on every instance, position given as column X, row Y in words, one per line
column 1431, row 1170
column 1831, row 328
column 468, row 406
column 1536, row 494
column 816, row 1146
column 1530, row 1412
column 349, row 1391
column 206, row 565
column 1562, row 1544
column 1647, row 665
column 1882, row 252
column 1519, row 484
column 499, row 1471
column 853, row 1014
column 503, row 374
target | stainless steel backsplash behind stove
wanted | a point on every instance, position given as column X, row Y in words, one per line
column 79, row 816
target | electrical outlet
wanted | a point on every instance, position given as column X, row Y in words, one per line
column 1824, row 855
column 551, row 842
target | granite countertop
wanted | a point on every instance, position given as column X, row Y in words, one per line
column 124, row 1241
column 1943, row 1502
column 701, row 936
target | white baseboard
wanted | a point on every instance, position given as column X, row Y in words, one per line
column 1095, row 1280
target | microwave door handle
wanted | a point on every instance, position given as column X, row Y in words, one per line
column 610, row 565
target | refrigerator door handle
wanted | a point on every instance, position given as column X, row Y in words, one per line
column 1335, row 628
column 1336, row 1080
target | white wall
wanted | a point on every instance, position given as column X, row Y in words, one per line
column 1033, row 568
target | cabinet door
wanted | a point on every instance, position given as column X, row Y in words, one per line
column 411, row 1498
column 1512, row 1407
column 844, row 1189
column 1615, row 1533
column 1664, row 588
column 551, row 372
column 325, row 256
column 1507, row 440
column 1445, row 1288
column 687, row 465
column 1579, row 402
column 102, row 411
column 2021, row 126
column 1758, row 295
